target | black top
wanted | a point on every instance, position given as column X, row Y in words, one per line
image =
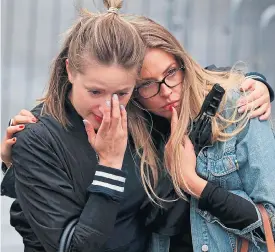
column 57, row 178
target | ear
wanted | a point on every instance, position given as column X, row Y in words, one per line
column 69, row 72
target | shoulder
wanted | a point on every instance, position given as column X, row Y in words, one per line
column 217, row 69
column 39, row 132
column 229, row 106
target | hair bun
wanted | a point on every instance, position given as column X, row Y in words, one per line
column 113, row 6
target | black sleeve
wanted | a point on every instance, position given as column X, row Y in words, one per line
column 253, row 75
column 48, row 200
column 4, row 167
column 222, row 204
column 7, row 184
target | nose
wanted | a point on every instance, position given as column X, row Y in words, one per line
column 165, row 91
column 103, row 101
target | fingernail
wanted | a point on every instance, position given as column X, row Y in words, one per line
column 115, row 97
column 14, row 139
column 108, row 103
column 171, row 108
column 241, row 110
column 33, row 119
column 86, row 122
column 122, row 107
column 21, row 126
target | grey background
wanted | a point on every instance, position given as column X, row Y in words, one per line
column 213, row 31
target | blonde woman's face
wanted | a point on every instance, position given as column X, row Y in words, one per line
column 96, row 85
column 156, row 65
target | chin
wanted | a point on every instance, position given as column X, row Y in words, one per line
column 166, row 114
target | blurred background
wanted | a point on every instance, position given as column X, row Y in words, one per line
column 219, row 32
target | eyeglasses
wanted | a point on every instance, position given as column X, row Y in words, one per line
column 150, row 88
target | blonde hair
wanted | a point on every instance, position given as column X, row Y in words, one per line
column 197, row 82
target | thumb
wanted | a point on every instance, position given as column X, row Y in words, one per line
column 247, row 85
column 90, row 131
column 174, row 119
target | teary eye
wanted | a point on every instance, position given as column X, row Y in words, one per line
column 94, row 92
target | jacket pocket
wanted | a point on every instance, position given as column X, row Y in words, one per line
column 224, row 172
column 224, row 166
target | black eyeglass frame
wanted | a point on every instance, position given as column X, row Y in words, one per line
column 159, row 83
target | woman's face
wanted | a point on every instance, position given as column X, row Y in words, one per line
column 158, row 64
column 96, row 85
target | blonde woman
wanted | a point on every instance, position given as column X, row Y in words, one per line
column 171, row 82
column 228, row 177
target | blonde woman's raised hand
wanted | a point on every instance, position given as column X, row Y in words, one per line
column 190, row 182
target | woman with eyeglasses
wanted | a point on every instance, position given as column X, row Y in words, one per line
column 172, row 83
column 230, row 175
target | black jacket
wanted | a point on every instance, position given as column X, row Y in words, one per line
column 57, row 179
column 155, row 218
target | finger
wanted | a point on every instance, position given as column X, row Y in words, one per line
column 25, row 112
column 11, row 130
column 22, row 119
column 90, row 131
column 6, row 150
column 266, row 115
column 174, row 119
column 123, row 118
column 248, row 84
column 10, row 142
column 259, row 111
column 253, row 104
column 253, row 96
column 188, row 144
column 116, row 117
column 105, row 124
column 258, row 91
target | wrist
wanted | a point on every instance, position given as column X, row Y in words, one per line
column 196, row 184
column 8, row 164
column 111, row 164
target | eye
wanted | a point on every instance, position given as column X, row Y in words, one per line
column 146, row 84
column 171, row 71
column 94, row 92
column 121, row 94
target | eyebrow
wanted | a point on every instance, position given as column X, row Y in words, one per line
column 167, row 68
column 103, row 89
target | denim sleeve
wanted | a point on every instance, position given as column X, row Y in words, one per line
column 255, row 151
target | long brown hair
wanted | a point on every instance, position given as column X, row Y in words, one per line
column 104, row 37
column 107, row 38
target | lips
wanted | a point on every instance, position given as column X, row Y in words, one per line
column 98, row 118
column 170, row 105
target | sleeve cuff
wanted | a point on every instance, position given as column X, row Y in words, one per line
column 4, row 167
column 207, row 191
column 109, row 182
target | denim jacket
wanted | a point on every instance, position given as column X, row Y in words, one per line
column 245, row 166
